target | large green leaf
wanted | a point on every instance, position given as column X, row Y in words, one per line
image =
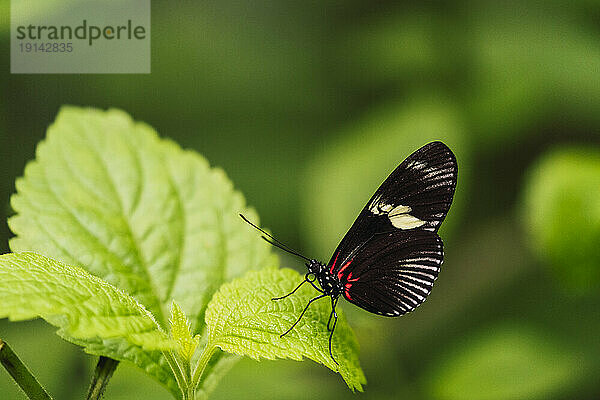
column 106, row 194
column 243, row 319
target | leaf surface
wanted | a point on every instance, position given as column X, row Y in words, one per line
column 243, row 319
column 89, row 311
column 180, row 331
column 107, row 194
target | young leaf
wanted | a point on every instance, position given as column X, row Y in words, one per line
column 106, row 194
column 180, row 331
column 243, row 319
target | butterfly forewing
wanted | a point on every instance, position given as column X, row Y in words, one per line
column 425, row 182
column 416, row 196
column 394, row 272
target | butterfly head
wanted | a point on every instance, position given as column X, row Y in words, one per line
column 315, row 267
column 319, row 272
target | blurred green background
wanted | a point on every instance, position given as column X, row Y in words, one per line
column 308, row 106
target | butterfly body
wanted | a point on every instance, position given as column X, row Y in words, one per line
column 330, row 284
column 390, row 257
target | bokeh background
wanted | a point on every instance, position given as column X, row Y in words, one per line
column 308, row 106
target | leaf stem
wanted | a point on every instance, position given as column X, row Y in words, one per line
column 205, row 357
column 21, row 374
column 104, row 370
column 177, row 372
column 187, row 370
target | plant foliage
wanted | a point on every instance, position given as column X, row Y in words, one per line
column 153, row 227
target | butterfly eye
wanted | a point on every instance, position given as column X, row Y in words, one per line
column 310, row 277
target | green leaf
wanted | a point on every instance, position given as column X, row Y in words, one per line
column 508, row 362
column 180, row 331
column 242, row 319
column 82, row 305
column 106, row 194
column 562, row 215
column 90, row 312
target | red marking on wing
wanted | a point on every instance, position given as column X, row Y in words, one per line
column 340, row 272
column 348, row 285
column 348, row 295
column 334, row 262
column 350, row 279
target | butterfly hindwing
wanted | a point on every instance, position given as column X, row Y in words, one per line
column 393, row 273
column 416, row 196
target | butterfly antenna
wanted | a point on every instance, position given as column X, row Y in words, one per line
column 275, row 242
column 286, row 249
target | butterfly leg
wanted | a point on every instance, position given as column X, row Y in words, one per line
column 333, row 305
column 335, row 318
column 301, row 315
column 290, row 293
column 306, row 279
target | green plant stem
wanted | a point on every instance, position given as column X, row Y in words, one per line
column 205, row 357
column 21, row 374
column 104, row 370
column 187, row 369
column 177, row 372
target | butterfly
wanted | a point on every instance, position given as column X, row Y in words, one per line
column 389, row 259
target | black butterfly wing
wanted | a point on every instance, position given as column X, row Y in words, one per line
column 394, row 272
column 416, row 196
